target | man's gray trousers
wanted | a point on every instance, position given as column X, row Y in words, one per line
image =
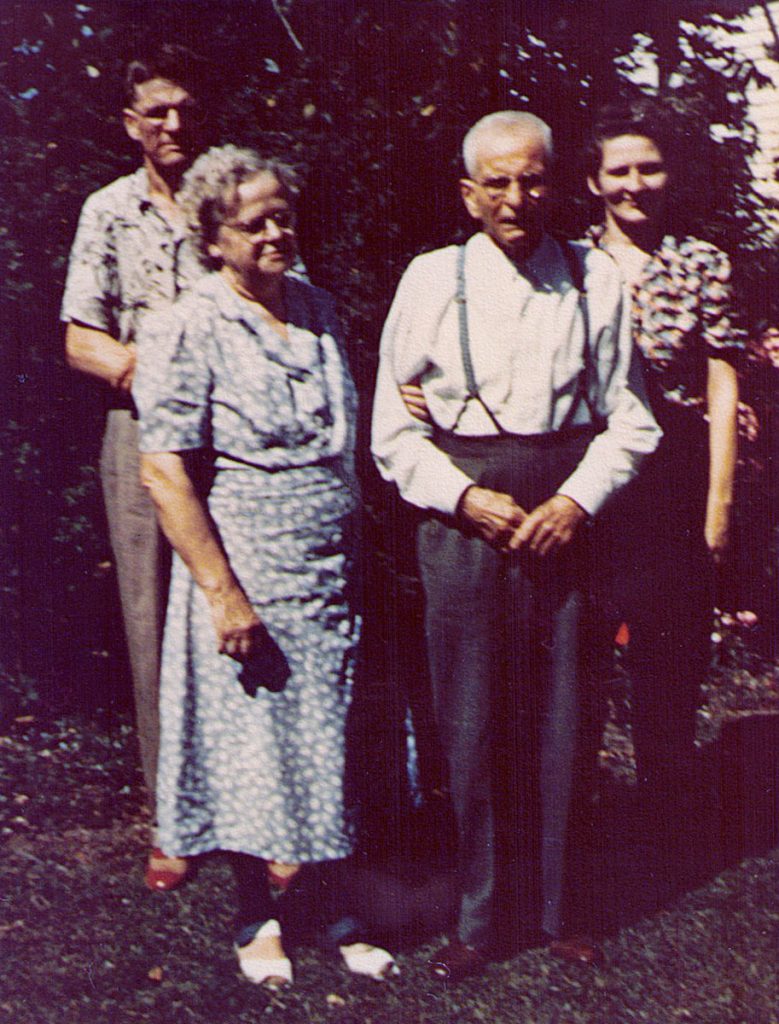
column 141, row 558
column 504, row 637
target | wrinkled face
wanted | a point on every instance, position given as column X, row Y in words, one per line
column 164, row 119
column 257, row 240
column 632, row 181
column 509, row 190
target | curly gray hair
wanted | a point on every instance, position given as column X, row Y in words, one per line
column 208, row 189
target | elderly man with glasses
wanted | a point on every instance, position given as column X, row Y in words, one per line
column 129, row 258
column 537, row 415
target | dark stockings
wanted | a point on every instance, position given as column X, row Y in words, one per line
column 255, row 903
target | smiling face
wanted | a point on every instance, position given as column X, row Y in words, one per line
column 164, row 120
column 256, row 242
column 632, row 181
column 508, row 191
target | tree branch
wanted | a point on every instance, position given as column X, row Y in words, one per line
column 283, row 18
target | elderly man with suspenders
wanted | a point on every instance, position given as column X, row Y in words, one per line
column 522, row 349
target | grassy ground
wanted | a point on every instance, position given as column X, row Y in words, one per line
column 82, row 941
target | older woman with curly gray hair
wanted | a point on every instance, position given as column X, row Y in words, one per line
column 260, row 635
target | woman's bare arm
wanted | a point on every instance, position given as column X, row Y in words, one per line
column 722, row 397
column 187, row 525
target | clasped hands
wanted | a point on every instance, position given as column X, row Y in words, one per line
column 499, row 520
column 496, row 517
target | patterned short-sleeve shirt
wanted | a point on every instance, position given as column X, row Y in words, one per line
column 682, row 315
column 126, row 260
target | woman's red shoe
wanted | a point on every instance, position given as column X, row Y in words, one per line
column 163, row 873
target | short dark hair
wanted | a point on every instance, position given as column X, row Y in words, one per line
column 639, row 116
column 174, row 63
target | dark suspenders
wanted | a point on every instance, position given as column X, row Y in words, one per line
column 582, row 393
column 472, row 390
column 576, row 270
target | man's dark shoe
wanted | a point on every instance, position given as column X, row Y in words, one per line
column 577, row 949
column 457, row 960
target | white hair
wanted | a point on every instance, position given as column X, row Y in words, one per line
column 503, row 122
column 207, row 190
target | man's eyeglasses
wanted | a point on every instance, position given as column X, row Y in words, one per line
column 530, row 186
column 189, row 112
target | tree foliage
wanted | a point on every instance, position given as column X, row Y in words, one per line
column 371, row 98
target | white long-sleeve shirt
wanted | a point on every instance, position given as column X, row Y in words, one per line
column 526, row 339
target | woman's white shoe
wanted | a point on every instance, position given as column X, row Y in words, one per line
column 272, row 972
column 372, row 961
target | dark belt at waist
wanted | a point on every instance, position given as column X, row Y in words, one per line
column 474, row 445
column 529, row 467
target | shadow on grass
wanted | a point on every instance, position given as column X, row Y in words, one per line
column 83, row 941
column 402, row 882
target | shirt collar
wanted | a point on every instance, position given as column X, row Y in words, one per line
column 541, row 269
column 594, row 235
column 231, row 305
column 139, row 188
column 295, row 359
column 139, row 191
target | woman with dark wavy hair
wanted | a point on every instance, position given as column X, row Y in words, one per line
column 671, row 524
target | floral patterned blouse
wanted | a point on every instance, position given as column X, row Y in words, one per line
column 682, row 316
column 126, row 260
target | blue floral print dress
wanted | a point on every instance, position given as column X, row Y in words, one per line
column 258, row 770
